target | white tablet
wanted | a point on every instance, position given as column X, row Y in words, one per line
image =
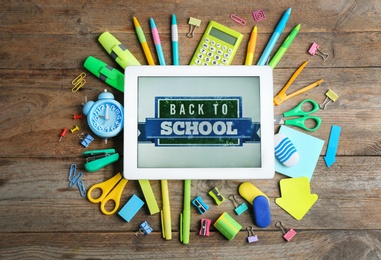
column 198, row 122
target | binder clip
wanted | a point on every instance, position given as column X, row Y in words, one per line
column 97, row 159
column 314, row 49
column 330, row 97
column 117, row 50
column 193, row 24
column 239, row 209
column 75, row 178
column 205, row 225
column 144, row 229
column 216, row 195
column 87, row 140
column 251, row 238
column 105, row 72
column 200, row 205
column 287, row 234
column 78, row 82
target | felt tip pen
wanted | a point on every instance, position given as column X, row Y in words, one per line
column 175, row 41
column 186, row 214
column 283, row 48
column 166, row 223
column 143, row 42
column 251, row 47
column 274, row 37
column 156, row 39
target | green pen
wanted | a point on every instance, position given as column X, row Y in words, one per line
column 185, row 216
column 283, row 48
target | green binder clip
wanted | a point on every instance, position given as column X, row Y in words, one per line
column 117, row 50
column 97, row 159
column 106, row 73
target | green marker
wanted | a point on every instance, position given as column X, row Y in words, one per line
column 283, row 48
column 186, row 215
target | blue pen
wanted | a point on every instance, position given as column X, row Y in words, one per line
column 156, row 40
column 278, row 31
column 175, row 41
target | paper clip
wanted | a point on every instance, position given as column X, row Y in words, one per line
column 205, row 225
column 289, row 234
column 330, row 97
column 251, row 238
column 315, row 48
column 237, row 19
column 216, row 195
column 81, row 188
column 282, row 96
column 75, row 178
column 144, row 229
column 239, row 209
column 259, row 15
column 78, row 82
column 200, row 205
column 193, row 24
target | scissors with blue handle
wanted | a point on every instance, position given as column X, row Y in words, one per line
column 301, row 116
column 111, row 191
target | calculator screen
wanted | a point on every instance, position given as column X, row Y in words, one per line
column 222, row 36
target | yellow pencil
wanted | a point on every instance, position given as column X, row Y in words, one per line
column 251, row 47
column 143, row 42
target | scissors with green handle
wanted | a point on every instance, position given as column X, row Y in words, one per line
column 301, row 116
column 111, row 190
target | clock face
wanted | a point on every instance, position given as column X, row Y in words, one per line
column 106, row 118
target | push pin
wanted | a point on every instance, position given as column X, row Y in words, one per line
column 239, row 209
column 63, row 133
column 144, row 229
column 77, row 116
column 193, row 24
column 287, row 234
column 76, row 128
column 251, row 238
column 314, row 49
column 78, row 82
column 330, row 97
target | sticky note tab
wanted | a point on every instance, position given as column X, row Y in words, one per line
column 131, row 208
column 296, row 197
column 309, row 149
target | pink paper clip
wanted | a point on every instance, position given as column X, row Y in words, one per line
column 259, row 15
column 205, row 225
column 237, row 19
column 287, row 234
column 315, row 48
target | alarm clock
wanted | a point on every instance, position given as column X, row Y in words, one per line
column 104, row 116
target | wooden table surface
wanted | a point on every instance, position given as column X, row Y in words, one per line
column 43, row 47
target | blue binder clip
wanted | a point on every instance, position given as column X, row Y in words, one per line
column 200, row 205
column 144, row 229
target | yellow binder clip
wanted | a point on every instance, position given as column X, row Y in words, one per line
column 78, row 82
column 282, row 96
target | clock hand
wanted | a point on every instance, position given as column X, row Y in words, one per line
column 106, row 114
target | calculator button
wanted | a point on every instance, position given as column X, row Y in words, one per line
column 230, row 50
column 210, row 54
column 202, row 50
column 227, row 55
column 207, row 59
column 215, row 62
column 224, row 48
column 200, row 56
column 204, row 45
column 218, row 45
column 206, row 40
column 212, row 42
column 205, row 64
column 224, row 61
column 217, row 57
column 212, row 48
column 197, row 61
column 219, row 52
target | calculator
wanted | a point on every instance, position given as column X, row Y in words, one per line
column 217, row 46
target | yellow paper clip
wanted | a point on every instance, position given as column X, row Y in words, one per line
column 78, row 82
column 330, row 97
column 282, row 96
column 237, row 19
column 193, row 24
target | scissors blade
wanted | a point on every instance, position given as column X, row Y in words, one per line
column 278, row 120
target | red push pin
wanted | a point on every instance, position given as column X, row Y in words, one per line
column 63, row 133
column 77, row 116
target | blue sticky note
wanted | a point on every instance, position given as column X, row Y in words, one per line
column 309, row 149
column 132, row 207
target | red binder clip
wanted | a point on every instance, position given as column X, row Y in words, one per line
column 315, row 48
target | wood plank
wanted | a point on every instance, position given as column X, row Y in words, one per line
column 38, row 189
column 331, row 244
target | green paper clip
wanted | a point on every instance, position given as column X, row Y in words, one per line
column 117, row 50
column 104, row 72
column 97, row 159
